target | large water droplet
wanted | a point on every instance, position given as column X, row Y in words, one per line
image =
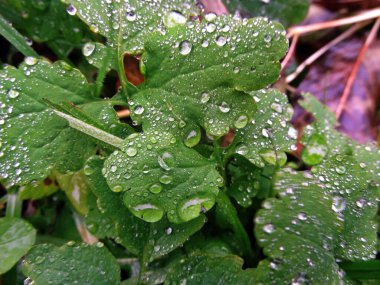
column 131, row 16
column 30, row 60
column 131, row 151
column 117, row 188
column 210, row 27
column 174, row 18
column 193, row 138
column 242, row 149
column 165, row 179
column 205, row 97
column 241, row 122
column 224, row 107
column 268, row 228
column 88, row 49
column 155, row 188
column 166, row 161
column 147, row 212
column 139, row 110
column 192, row 208
column 13, row 93
column 210, row 17
column 221, row 41
column 338, row 204
column 315, row 150
column 185, row 47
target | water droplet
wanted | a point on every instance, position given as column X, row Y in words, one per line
column 88, row 170
column 174, row 18
column 155, row 188
column 165, row 179
column 276, row 107
column 131, row 151
column 168, row 231
column 210, row 27
column 268, row 228
column 205, row 97
column 265, row 133
column 30, row 60
column 13, row 93
column 139, row 110
column 147, row 212
column 117, row 188
column 71, row 10
column 267, row 38
column 185, row 47
column 338, row 204
column 210, row 17
column 131, row 16
column 360, row 203
column 301, row 278
column 192, row 208
column 302, row 216
column 236, row 70
column 88, row 49
column 221, row 41
column 242, row 149
column 224, row 108
column 293, row 133
column 193, row 138
column 241, row 122
column 315, row 150
column 166, row 161
column 340, row 169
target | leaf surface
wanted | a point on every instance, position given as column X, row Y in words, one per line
column 72, row 263
column 16, row 238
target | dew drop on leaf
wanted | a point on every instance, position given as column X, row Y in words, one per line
column 224, row 107
column 71, row 10
column 192, row 208
column 138, row 110
column 13, row 93
column 185, row 47
column 205, row 97
column 268, row 228
column 147, row 212
column 241, row 122
column 165, row 179
column 192, row 138
column 30, row 60
column 338, row 204
column 117, row 188
column 88, row 49
column 221, row 41
column 131, row 16
column 155, row 188
column 131, row 151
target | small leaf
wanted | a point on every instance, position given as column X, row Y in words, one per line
column 73, row 263
column 269, row 135
column 16, row 238
column 160, row 177
column 38, row 190
column 147, row 240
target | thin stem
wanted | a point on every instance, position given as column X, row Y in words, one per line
column 350, row 82
column 368, row 15
column 120, row 54
column 82, row 230
column 291, row 51
column 323, row 50
column 14, row 205
column 102, row 74
column 91, row 130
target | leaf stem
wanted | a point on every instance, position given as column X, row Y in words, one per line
column 91, row 130
column 14, row 205
column 120, row 60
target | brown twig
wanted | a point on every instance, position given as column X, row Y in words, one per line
column 123, row 113
column 351, row 79
column 368, row 15
column 291, row 51
column 324, row 49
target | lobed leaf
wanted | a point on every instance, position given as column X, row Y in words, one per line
column 72, row 263
column 16, row 238
column 147, row 240
column 161, row 177
column 208, row 68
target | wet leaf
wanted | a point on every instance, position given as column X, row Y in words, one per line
column 16, row 238
column 72, row 263
column 160, row 177
column 191, row 93
column 267, row 137
column 147, row 240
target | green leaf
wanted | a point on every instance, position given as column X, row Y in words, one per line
column 126, row 24
column 284, row 11
column 353, row 201
column 34, row 140
column 16, row 238
column 161, row 177
column 208, row 66
column 15, row 38
column 147, row 240
column 72, row 263
column 266, row 138
column 201, row 268
column 298, row 233
column 38, row 190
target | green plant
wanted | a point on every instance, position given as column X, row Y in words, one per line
column 169, row 199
